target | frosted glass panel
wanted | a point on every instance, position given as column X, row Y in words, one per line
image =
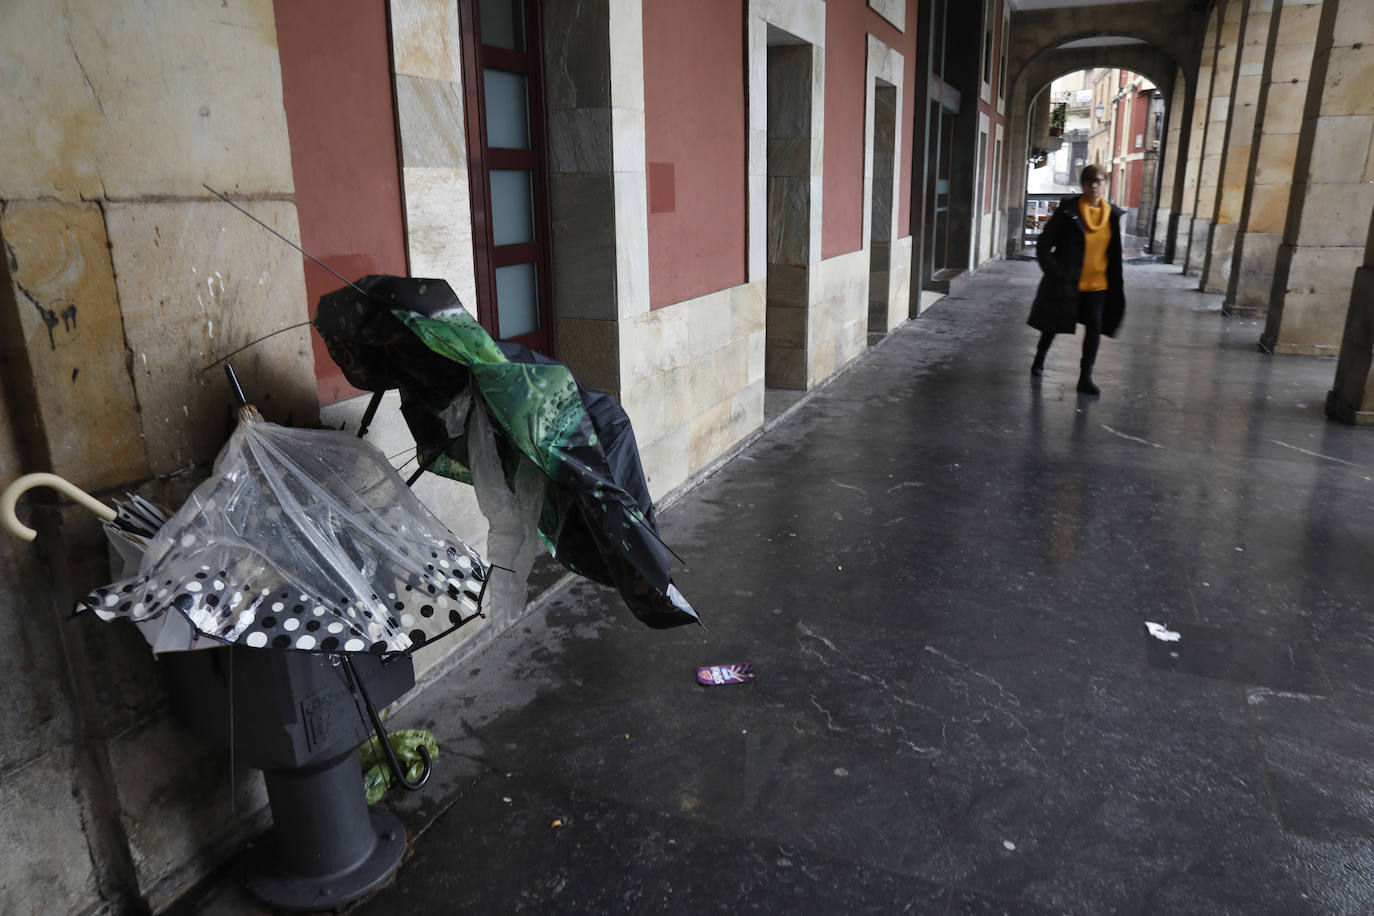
column 512, row 208
column 517, row 300
column 508, row 122
column 503, row 24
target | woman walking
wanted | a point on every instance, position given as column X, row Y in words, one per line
column 1080, row 254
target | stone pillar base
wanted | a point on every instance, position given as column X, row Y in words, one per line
column 1351, row 400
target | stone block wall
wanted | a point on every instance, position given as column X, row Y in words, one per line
column 1236, row 163
column 1289, row 65
column 1218, row 121
column 1327, row 220
column 124, row 279
column 693, row 382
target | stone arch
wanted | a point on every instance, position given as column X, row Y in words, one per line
column 1170, row 35
column 1155, row 63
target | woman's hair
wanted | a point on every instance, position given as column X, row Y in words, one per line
column 1091, row 173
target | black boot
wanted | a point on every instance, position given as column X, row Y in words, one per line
column 1038, row 367
column 1085, row 383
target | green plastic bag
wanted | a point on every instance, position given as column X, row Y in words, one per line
column 377, row 774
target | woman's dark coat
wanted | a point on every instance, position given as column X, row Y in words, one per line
column 1060, row 253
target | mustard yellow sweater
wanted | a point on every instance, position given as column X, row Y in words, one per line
column 1097, row 233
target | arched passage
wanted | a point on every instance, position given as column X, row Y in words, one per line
column 1153, row 62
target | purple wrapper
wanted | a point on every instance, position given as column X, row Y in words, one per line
column 717, row 675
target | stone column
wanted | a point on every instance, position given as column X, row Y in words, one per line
column 1325, row 232
column 1197, row 136
column 1351, row 400
column 1165, row 216
column 1236, row 161
column 1283, row 89
column 1218, row 120
column 594, row 94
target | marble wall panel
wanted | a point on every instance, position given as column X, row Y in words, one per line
column 654, row 342
column 759, row 154
column 708, row 323
column 93, row 111
column 658, row 404
column 577, row 61
column 68, row 325
column 789, row 92
column 732, row 365
column 789, row 221
column 894, row 11
column 756, row 347
column 631, row 290
column 580, row 140
column 430, row 120
column 425, row 40
column 746, row 410
column 706, row 387
column 627, row 127
column 789, row 158
column 439, row 228
column 593, row 346
column 666, row 462
column 584, row 245
column 786, row 328
column 747, row 306
column 789, row 285
column 626, row 21
column 804, row 19
column 758, row 227
column 786, row 368
column 195, row 281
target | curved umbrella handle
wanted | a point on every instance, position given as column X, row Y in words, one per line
column 10, row 497
column 397, row 771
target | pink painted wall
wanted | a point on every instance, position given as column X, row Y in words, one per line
column 695, row 145
column 336, row 88
column 848, row 23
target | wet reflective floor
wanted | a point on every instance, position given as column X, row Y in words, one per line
column 1017, row 651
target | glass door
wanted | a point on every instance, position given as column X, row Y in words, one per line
column 506, row 168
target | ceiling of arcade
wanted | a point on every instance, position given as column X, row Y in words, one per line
column 1156, row 38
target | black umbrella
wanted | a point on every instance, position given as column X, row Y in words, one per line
column 597, row 518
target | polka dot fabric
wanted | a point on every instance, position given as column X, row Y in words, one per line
column 303, row 540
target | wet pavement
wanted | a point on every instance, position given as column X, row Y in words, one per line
column 1017, row 651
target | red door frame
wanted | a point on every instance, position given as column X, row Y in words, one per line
column 482, row 159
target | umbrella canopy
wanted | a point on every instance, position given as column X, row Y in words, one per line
column 303, row 540
column 597, row 518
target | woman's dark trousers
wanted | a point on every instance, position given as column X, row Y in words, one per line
column 1090, row 316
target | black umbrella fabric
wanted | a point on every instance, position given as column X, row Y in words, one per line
column 304, row 540
column 597, row 518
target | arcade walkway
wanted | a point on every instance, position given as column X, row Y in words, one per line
column 1017, row 652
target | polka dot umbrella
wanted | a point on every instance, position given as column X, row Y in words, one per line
column 303, row 540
